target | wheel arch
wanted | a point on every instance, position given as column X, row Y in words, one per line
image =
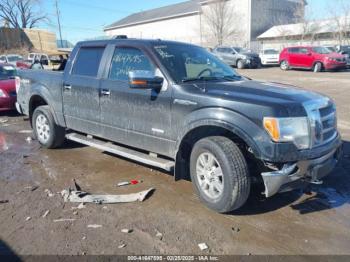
column 35, row 101
column 207, row 128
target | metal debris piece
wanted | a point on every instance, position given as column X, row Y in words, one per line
column 126, row 231
column 132, row 182
column 49, row 193
column 159, row 235
column 94, row 226
column 122, row 246
column 64, row 220
column 46, row 213
column 203, row 246
column 4, row 201
column 83, row 197
column 28, row 218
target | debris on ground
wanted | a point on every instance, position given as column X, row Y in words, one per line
column 25, row 132
column 203, row 246
column 28, row 218
column 4, row 201
column 46, row 213
column 29, row 139
column 81, row 206
column 75, row 213
column 49, row 193
column 122, row 245
column 126, row 231
column 83, row 238
column 3, row 120
column 76, row 186
column 64, row 220
column 236, row 229
column 94, row 226
column 32, row 188
column 159, row 235
column 132, row 182
column 83, row 197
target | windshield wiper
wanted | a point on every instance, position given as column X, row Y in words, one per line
column 202, row 78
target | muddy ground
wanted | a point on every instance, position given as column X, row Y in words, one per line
column 290, row 223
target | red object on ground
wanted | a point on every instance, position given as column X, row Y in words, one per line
column 9, row 97
column 308, row 56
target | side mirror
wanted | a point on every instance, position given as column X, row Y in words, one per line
column 142, row 79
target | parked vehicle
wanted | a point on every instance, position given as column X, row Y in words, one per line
column 10, row 59
column 53, row 61
column 178, row 107
column 238, row 57
column 345, row 50
column 316, row 58
column 269, row 57
column 8, row 87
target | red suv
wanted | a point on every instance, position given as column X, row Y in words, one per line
column 316, row 58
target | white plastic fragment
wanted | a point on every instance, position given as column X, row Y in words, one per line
column 126, row 230
column 25, row 132
column 28, row 218
column 49, row 193
column 122, row 246
column 94, row 226
column 64, row 220
column 46, row 213
column 203, row 246
column 3, row 120
column 29, row 139
column 159, row 235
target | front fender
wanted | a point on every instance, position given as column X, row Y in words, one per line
column 238, row 124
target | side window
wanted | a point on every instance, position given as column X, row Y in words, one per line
column 304, row 51
column 126, row 59
column 88, row 61
column 221, row 50
column 294, row 50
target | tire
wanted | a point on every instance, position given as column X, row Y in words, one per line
column 317, row 67
column 232, row 187
column 284, row 65
column 240, row 64
column 46, row 131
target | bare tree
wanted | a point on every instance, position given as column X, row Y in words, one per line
column 21, row 13
column 340, row 15
column 308, row 27
column 221, row 21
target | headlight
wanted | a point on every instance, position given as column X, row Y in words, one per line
column 332, row 59
column 291, row 129
column 2, row 94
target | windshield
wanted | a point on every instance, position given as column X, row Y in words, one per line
column 332, row 49
column 191, row 63
column 14, row 58
column 321, row 50
column 7, row 72
column 270, row 52
column 241, row 50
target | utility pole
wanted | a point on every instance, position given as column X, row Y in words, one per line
column 59, row 22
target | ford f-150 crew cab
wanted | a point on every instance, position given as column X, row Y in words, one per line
column 177, row 107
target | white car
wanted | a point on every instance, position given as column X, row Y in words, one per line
column 269, row 57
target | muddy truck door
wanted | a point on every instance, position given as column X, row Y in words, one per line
column 138, row 116
column 81, row 90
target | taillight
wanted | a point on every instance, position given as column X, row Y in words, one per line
column 18, row 83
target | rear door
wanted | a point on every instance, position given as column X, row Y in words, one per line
column 138, row 117
column 81, row 91
column 293, row 54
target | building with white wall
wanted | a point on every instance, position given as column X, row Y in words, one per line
column 187, row 21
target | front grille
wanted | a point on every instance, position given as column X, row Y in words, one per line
column 340, row 59
column 328, row 130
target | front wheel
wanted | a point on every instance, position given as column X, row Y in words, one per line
column 48, row 133
column 240, row 64
column 220, row 174
column 317, row 67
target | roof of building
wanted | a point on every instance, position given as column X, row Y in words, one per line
column 170, row 11
column 314, row 27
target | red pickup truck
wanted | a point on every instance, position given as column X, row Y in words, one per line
column 316, row 58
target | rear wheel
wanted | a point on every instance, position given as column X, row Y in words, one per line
column 317, row 67
column 220, row 174
column 48, row 133
column 284, row 65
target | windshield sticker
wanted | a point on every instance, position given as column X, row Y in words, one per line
column 162, row 52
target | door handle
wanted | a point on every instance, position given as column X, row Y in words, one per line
column 105, row 92
column 67, row 87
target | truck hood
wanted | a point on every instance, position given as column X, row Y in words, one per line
column 266, row 92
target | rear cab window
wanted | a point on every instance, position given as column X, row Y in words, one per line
column 87, row 61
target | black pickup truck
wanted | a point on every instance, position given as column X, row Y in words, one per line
column 177, row 107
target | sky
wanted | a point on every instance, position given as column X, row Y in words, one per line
column 82, row 19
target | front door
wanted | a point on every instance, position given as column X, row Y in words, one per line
column 81, row 94
column 137, row 117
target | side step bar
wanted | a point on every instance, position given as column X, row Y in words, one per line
column 137, row 156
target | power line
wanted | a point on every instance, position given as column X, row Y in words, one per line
column 84, row 5
column 59, row 22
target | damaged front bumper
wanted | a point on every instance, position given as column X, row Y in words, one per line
column 293, row 175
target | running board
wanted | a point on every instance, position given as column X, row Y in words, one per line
column 137, row 156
